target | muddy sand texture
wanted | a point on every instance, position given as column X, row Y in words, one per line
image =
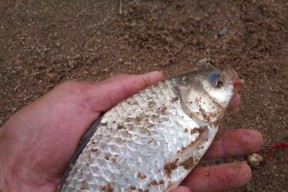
column 44, row 43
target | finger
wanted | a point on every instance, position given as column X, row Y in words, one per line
column 235, row 142
column 219, row 177
column 235, row 102
column 111, row 91
column 182, row 189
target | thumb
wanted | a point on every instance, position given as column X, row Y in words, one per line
column 108, row 93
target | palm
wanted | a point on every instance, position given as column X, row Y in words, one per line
column 38, row 141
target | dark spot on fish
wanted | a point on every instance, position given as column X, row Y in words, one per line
column 106, row 157
column 202, row 112
column 174, row 99
column 163, row 109
column 138, row 118
column 84, row 185
column 193, row 131
column 153, row 116
column 200, row 147
column 186, row 130
column 150, row 141
column 207, row 118
column 153, row 183
column 94, row 150
column 169, row 167
column 113, row 159
column 151, row 126
column 107, row 188
column 196, row 129
column 161, row 182
column 188, row 163
column 104, row 124
column 132, row 187
column 151, row 104
column 120, row 127
column 141, row 176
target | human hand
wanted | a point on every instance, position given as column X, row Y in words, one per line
column 37, row 142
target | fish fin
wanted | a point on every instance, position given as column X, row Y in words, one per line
column 188, row 159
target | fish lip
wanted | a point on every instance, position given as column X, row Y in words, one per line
column 236, row 81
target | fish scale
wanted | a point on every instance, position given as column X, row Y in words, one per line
column 145, row 143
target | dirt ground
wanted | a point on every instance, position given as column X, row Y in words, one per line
column 47, row 42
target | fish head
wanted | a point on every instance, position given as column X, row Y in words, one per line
column 206, row 94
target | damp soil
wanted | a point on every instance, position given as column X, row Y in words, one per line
column 44, row 43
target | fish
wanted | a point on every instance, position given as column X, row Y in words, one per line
column 152, row 140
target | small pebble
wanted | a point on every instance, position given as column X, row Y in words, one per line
column 203, row 61
column 255, row 159
column 223, row 31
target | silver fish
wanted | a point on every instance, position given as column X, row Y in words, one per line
column 152, row 140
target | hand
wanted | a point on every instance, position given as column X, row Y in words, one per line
column 37, row 142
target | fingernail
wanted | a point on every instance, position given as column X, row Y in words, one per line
column 154, row 76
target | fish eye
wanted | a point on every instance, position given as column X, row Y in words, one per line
column 218, row 83
column 215, row 79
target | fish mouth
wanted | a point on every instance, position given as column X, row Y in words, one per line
column 238, row 85
column 237, row 82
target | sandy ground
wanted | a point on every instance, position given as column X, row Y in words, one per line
column 47, row 42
